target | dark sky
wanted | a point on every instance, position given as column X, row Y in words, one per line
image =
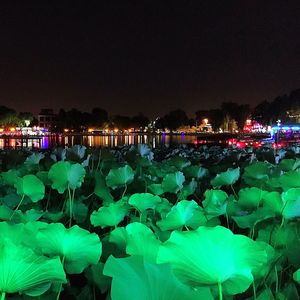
column 149, row 56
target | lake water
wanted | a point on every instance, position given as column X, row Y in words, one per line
column 95, row 141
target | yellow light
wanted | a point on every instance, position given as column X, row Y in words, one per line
column 90, row 130
column 1, row 129
column 66, row 130
column 116, row 130
column 129, row 130
column 106, row 130
column 205, row 121
column 13, row 129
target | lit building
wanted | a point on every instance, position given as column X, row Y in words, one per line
column 46, row 118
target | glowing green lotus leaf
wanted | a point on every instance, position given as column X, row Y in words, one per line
column 256, row 173
column 64, row 174
column 188, row 189
column 22, row 271
column 76, row 151
column 119, row 177
column 76, row 246
column 134, row 278
column 79, row 211
column 291, row 203
column 196, row 172
column 12, row 200
column 250, row 198
column 172, row 183
column 43, row 176
column 53, row 216
column 296, row 276
column 101, row 189
column 30, row 215
column 266, row 294
column 182, row 214
column 119, row 237
column 290, row 179
column 272, row 201
column 110, row 215
column 156, row 188
column 215, row 202
column 141, row 241
column 30, row 186
column 289, row 164
column 94, row 273
column 250, row 220
column 34, row 159
column 288, row 292
column 144, row 201
column 164, row 207
column 10, row 177
column 229, row 177
column 179, row 162
column 213, row 256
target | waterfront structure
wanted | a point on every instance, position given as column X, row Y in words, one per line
column 46, row 118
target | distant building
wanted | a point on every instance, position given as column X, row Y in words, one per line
column 46, row 118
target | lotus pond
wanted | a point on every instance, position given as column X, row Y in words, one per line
column 138, row 223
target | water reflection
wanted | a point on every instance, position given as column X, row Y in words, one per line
column 94, row 141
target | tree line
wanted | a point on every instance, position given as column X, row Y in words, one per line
column 230, row 114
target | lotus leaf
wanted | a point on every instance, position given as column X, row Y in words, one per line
column 213, row 256
column 94, row 273
column 196, row 172
column 79, row 211
column 133, row 278
column 172, row 183
column 188, row 189
column 215, row 203
column 250, row 198
column 141, row 240
column 182, row 214
column 119, row 237
column 77, row 150
column 111, row 215
column 30, row 186
column 272, row 201
column 289, row 164
column 63, row 174
column 101, row 189
column 229, row 177
column 34, row 159
column 77, row 247
column 290, row 179
column 250, row 220
column 145, row 151
column 144, row 201
column 291, row 203
column 296, row 276
column 119, row 177
column 256, row 173
column 156, row 189
column 25, row 272
column 179, row 162
column 10, row 177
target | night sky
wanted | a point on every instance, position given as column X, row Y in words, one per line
column 147, row 56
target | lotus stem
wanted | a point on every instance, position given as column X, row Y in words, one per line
column 276, row 278
column 3, row 296
column 16, row 210
column 254, row 290
column 220, row 291
column 125, row 189
column 235, row 195
column 60, row 286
